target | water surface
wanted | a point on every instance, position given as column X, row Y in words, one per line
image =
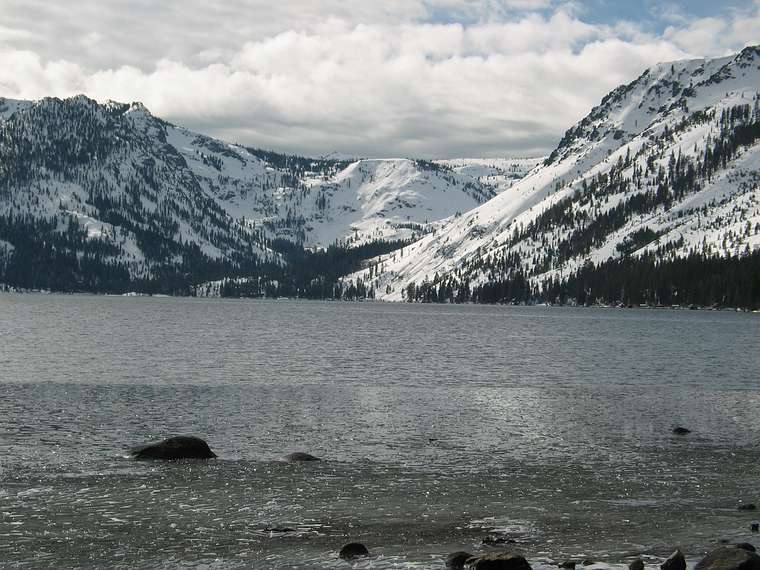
column 442, row 428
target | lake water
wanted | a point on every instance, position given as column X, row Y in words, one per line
column 441, row 427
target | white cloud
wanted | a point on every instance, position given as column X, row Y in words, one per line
column 388, row 78
column 717, row 36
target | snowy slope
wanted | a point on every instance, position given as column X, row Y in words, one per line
column 502, row 173
column 637, row 175
column 10, row 106
column 387, row 199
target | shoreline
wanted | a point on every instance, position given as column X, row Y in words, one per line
column 135, row 294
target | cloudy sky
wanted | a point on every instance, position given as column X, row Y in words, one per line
column 428, row 78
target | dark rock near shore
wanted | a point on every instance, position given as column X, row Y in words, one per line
column 748, row 507
column 587, row 562
column 746, row 546
column 498, row 561
column 300, row 456
column 456, row 560
column 174, row 448
column 754, row 527
column 675, row 561
column 568, row 564
column 353, row 550
column 637, row 564
column 729, row 558
column 681, row 430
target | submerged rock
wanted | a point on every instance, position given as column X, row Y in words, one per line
column 300, row 456
column 729, row 558
column 681, row 430
column 353, row 550
column 495, row 539
column 675, row 561
column 456, row 560
column 748, row 507
column 568, row 564
column 637, row 564
column 279, row 529
column 173, row 448
column 498, row 561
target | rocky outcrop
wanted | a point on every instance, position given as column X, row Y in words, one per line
column 174, row 448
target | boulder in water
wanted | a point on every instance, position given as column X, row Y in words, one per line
column 498, row 561
column 456, row 560
column 173, row 448
column 353, row 550
column 568, row 564
column 675, row 561
column 748, row 507
column 637, row 564
column 746, row 546
column 299, row 456
column 729, row 558
column 681, row 430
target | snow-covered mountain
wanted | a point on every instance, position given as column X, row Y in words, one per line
column 319, row 202
column 667, row 166
column 323, row 201
column 92, row 195
column 113, row 186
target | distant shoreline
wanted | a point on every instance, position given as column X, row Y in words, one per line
column 135, row 294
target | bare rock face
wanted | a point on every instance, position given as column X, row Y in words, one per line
column 730, row 558
column 174, row 448
column 498, row 561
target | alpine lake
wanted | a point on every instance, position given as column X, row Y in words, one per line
column 440, row 428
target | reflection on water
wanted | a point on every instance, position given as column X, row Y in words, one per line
column 442, row 428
